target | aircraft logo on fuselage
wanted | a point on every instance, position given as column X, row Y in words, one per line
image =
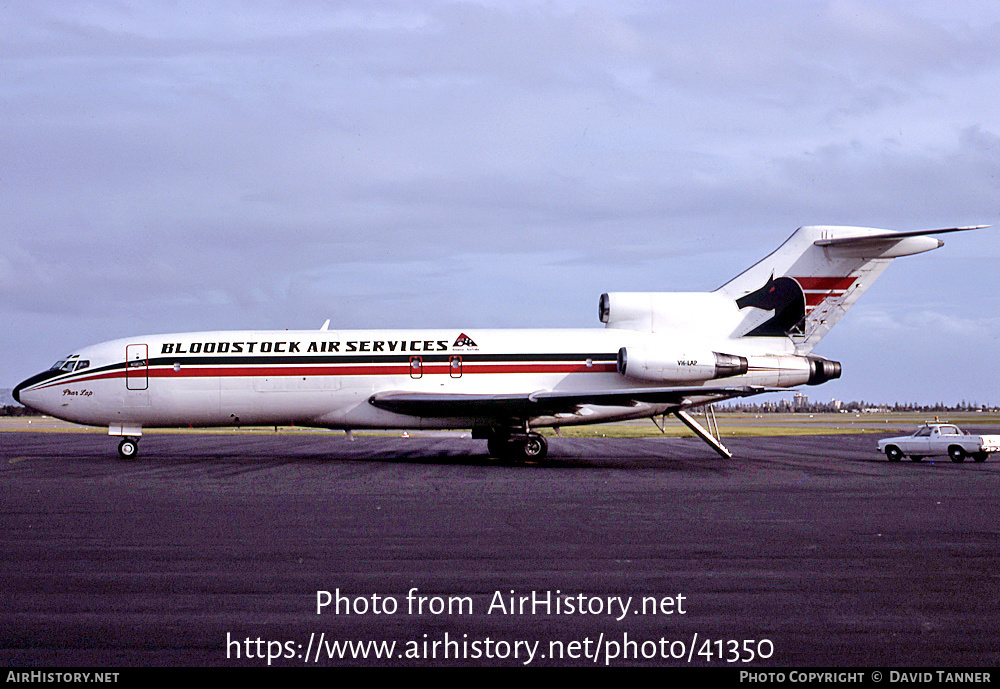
column 463, row 341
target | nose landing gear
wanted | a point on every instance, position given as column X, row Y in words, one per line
column 128, row 448
column 130, row 433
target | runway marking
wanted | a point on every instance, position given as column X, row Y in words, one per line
column 15, row 460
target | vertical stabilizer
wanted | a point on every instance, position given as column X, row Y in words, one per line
column 805, row 286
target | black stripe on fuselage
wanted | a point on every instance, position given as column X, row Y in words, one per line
column 270, row 360
column 467, row 357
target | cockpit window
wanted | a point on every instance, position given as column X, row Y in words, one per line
column 69, row 364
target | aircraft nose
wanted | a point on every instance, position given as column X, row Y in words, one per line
column 30, row 382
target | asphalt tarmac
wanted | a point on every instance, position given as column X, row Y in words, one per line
column 216, row 549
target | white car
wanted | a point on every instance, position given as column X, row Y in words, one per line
column 936, row 439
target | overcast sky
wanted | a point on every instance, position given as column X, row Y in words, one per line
column 173, row 167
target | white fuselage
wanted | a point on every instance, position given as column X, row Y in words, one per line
column 324, row 378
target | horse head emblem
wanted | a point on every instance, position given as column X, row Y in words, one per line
column 785, row 297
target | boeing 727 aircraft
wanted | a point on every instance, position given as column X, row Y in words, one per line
column 659, row 353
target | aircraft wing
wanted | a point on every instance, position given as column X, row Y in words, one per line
column 524, row 405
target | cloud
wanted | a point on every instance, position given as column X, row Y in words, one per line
column 260, row 165
column 923, row 322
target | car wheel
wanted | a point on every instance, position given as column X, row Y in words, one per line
column 956, row 454
column 979, row 456
column 893, row 453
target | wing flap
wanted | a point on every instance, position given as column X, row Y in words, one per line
column 431, row 404
column 526, row 405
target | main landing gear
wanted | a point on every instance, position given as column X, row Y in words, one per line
column 523, row 446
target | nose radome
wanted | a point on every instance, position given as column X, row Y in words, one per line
column 34, row 380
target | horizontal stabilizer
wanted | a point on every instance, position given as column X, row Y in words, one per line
column 873, row 239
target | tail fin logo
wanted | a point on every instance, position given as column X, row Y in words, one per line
column 792, row 300
column 785, row 297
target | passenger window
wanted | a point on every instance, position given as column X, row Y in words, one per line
column 923, row 432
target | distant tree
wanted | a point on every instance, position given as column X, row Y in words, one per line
column 17, row 410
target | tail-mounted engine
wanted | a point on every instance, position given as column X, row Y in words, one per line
column 822, row 370
column 680, row 367
column 707, row 313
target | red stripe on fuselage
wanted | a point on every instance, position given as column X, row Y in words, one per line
column 393, row 369
column 388, row 369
